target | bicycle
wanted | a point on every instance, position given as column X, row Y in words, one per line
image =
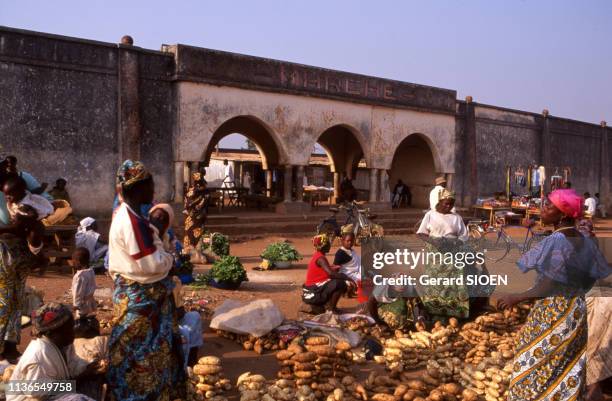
column 496, row 243
column 360, row 219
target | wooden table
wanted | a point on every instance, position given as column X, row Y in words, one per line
column 317, row 196
column 235, row 195
column 491, row 211
column 59, row 241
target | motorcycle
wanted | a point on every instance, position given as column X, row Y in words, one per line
column 358, row 221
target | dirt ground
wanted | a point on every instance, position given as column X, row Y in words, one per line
column 281, row 286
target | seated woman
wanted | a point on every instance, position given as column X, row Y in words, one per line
column 395, row 306
column 324, row 284
column 51, row 356
column 87, row 237
column 445, row 232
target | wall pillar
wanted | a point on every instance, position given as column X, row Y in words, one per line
column 450, row 181
column 288, row 206
column 268, row 182
column 179, row 181
column 128, row 101
column 545, row 156
column 336, row 186
column 373, row 185
column 384, row 195
column 471, row 152
column 288, row 183
column 299, row 183
column 604, row 167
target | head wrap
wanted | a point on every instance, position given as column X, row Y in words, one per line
column 567, row 201
column 320, row 241
column 131, row 172
column 347, row 229
column 166, row 208
column 85, row 223
column 50, row 316
column 446, row 194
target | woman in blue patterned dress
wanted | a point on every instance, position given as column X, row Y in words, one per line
column 146, row 361
column 550, row 353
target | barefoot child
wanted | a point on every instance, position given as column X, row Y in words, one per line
column 83, row 289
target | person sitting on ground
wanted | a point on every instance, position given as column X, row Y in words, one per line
column 51, row 356
column 32, row 183
column 190, row 323
column 16, row 194
column 349, row 260
column 401, row 191
column 59, row 192
column 83, row 289
column 395, row 306
column 444, row 232
column 87, row 236
column 601, row 208
column 324, row 284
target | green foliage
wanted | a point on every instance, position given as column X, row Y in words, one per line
column 200, row 281
column 281, row 252
column 228, row 268
column 215, row 242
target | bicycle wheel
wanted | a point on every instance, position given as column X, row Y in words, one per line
column 533, row 240
column 495, row 245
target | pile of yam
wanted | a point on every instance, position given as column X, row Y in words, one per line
column 487, row 380
column 206, row 381
column 412, row 350
column 269, row 342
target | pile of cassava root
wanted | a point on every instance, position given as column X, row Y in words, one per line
column 269, row 342
column 206, row 381
column 256, row 388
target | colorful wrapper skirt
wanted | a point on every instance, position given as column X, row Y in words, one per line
column 551, row 352
column 15, row 262
column 445, row 300
column 146, row 360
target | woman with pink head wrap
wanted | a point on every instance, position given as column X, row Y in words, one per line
column 567, row 264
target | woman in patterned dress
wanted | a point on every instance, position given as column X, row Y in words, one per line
column 550, row 356
column 445, row 233
column 19, row 243
column 195, row 210
column 146, row 361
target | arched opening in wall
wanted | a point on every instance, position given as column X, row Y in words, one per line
column 242, row 161
column 414, row 164
column 337, row 161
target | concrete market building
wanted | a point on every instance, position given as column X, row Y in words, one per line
column 76, row 108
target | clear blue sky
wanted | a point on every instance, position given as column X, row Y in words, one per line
column 528, row 55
